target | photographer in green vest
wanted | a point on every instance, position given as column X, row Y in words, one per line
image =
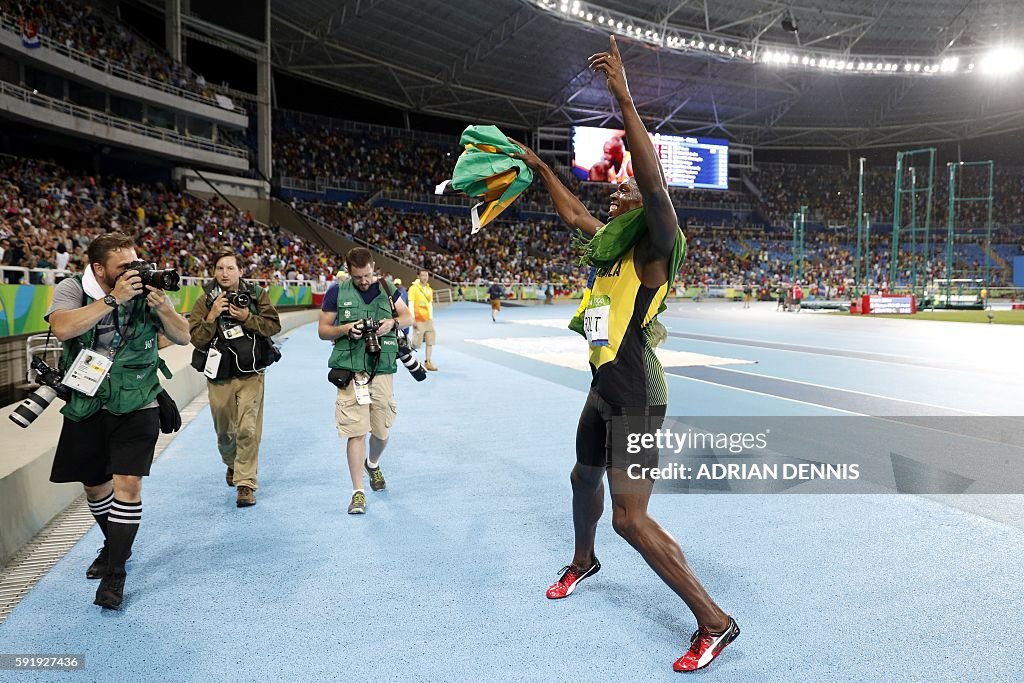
column 109, row 321
column 360, row 316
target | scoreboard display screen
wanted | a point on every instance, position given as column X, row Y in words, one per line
column 602, row 155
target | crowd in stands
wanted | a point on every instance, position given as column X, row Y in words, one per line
column 49, row 215
column 84, row 27
column 393, row 163
column 830, row 194
column 507, row 251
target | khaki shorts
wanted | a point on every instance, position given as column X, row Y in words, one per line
column 495, row 304
column 377, row 417
column 423, row 331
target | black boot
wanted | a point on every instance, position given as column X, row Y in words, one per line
column 110, row 594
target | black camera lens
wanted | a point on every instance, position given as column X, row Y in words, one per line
column 239, row 299
column 169, row 280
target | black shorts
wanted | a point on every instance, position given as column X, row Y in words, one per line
column 603, row 434
column 93, row 450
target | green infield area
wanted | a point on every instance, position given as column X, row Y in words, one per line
column 998, row 317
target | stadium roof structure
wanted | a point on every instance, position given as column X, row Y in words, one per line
column 842, row 74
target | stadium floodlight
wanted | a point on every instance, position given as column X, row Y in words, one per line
column 728, row 47
column 1002, row 61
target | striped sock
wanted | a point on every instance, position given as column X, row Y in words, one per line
column 122, row 525
column 99, row 510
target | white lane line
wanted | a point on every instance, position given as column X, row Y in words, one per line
column 761, row 393
column 852, row 391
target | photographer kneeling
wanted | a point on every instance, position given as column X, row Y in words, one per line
column 108, row 319
column 231, row 329
column 359, row 316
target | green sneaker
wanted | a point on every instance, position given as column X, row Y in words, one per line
column 377, row 482
column 358, row 504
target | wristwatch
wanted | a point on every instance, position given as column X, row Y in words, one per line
column 110, row 301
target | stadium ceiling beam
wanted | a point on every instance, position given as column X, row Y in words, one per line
column 892, row 102
column 866, row 25
column 1003, row 123
column 779, row 110
column 671, row 114
column 500, row 34
column 216, row 42
column 335, row 67
column 341, row 86
column 331, row 44
column 333, row 20
column 773, row 14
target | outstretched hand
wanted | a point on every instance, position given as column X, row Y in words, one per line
column 610, row 64
column 528, row 157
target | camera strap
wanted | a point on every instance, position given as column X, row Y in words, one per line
column 391, row 299
column 121, row 335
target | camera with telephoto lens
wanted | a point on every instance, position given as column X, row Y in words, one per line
column 238, row 299
column 167, row 280
column 410, row 362
column 50, row 387
column 369, row 328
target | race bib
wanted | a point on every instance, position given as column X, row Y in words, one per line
column 87, row 372
column 213, row 363
column 595, row 320
column 362, row 387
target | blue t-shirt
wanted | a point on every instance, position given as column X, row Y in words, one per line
column 496, row 292
column 330, row 304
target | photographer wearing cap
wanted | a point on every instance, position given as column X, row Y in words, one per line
column 108, row 319
column 231, row 327
column 360, row 316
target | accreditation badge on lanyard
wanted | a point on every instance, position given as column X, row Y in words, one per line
column 362, row 389
column 90, row 367
column 595, row 319
column 88, row 372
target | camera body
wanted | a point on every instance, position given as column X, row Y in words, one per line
column 238, row 299
column 167, row 280
column 50, row 377
column 369, row 327
column 50, row 387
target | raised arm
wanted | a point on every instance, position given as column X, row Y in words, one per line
column 569, row 208
column 662, row 225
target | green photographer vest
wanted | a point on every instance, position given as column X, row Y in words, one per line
column 350, row 354
column 132, row 381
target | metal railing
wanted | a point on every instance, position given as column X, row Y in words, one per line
column 360, row 127
column 427, row 198
column 49, row 275
column 152, row 132
column 106, row 66
column 201, row 280
column 321, row 184
column 363, row 243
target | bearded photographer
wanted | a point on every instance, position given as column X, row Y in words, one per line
column 231, row 327
column 363, row 365
column 109, row 319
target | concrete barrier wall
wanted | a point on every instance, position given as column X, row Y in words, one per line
column 28, row 501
